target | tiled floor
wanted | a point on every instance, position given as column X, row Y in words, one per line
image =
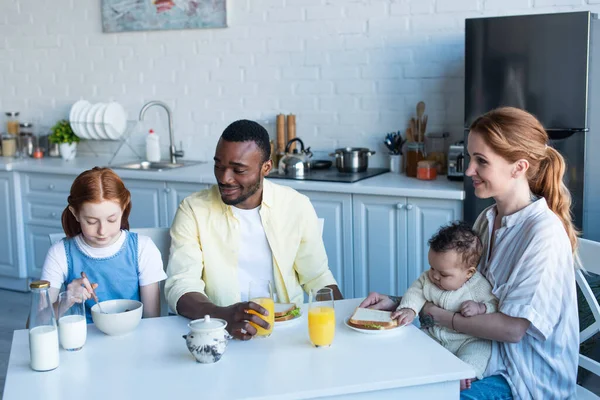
column 15, row 308
column 13, row 315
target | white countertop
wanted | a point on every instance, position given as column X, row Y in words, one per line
column 388, row 184
column 153, row 362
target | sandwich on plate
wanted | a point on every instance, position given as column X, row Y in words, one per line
column 286, row 311
column 366, row 318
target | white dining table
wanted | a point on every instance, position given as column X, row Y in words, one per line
column 153, row 362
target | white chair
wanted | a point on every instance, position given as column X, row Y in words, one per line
column 589, row 253
column 321, row 224
column 162, row 240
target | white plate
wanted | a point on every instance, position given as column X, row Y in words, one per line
column 289, row 322
column 76, row 109
column 99, row 122
column 80, row 118
column 115, row 120
column 90, row 121
column 372, row 331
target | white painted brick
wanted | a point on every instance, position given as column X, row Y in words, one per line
column 200, row 62
column 220, row 35
column 275, row 88
column 318, row 44
column 118, row 52
column 157, row 76
column 547, row 3
column 236, row 60
column 244, row 46
column 300, row 73
column 504, row 4
column 318, row 118
column 436, row 52
column 354, row 87
column 361, row 11
column 397, row 86
column 390, row 55
column 422, row 6
column 443, row 85
column 316, row 87
column 273, row 60
column 284, row 45
column 263, row 74
column 285, row 14
column 386, row 26
column 204, row 116
column 224, row 103
column 374, row 71
column 338, row 103
column 420, row 23
column 340, row 72
column 265, row 4
column 323, row 13
column 382, row 102
column 345, row 27
column 234, row 89
column 309, row 59
column 299, row 103
column 260, row 103
column 392, row 121
column 361, row 42
column 226, row 74
column 348, row 57
column 399, row 8
column 456, row 5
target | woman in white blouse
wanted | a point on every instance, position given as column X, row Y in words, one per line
column 529, row 241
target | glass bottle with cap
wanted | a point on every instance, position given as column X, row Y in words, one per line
column 43, row 332
column 12, row 123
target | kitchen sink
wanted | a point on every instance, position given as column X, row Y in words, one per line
column 154, row 166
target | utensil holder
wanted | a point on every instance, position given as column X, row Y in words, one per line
column 396, row 163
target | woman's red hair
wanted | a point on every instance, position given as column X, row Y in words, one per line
column 94, row 186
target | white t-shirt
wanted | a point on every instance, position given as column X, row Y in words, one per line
column 255, row 259
column 56, row 268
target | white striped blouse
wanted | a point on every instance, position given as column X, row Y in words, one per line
column 531, row 270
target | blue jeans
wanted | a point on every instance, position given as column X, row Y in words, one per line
column 491, row 388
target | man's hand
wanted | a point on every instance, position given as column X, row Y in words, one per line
column 378, row 301
column 405, row 316
column 238, row 319
column 471, row 308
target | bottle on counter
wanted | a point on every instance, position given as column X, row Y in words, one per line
column 152, row 147
column 12, row 123
column 43, row 332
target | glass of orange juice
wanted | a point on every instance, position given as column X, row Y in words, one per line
column 321, row 317
column 261, row 292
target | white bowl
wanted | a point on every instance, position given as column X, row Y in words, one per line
column 122, row 316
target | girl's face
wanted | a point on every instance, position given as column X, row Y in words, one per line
column 492, row 175
column 100, row 222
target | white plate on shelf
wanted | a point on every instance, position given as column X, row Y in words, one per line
column 90, row 121
column 115, row 120
column 80, row 118
column 289, row 322
column 76, row 109
column 371, row 331
column 99, row 121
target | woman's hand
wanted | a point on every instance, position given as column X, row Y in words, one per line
column 378, row 301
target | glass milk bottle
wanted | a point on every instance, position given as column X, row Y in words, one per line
column 43, row 334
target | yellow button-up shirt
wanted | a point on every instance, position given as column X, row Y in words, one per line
column 205, row 239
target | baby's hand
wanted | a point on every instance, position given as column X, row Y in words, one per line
column 471, row 308
column 405, row 316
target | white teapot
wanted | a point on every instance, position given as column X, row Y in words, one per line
column 207, row 339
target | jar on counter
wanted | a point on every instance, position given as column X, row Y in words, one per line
column 12, row 123
column 427, row 170
column 436, row 150
column 9, row 146
column 415, row 152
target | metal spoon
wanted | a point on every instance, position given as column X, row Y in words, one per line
column 83, row 275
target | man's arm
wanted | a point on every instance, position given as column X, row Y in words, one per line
column 337, row 295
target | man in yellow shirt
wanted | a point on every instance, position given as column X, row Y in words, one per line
column 243, row 229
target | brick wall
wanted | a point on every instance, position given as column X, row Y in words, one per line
column 350, row 70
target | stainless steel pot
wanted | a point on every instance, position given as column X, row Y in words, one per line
column 352, row 159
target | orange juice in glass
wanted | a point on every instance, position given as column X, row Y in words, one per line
column 261, row 293
column 321, row 317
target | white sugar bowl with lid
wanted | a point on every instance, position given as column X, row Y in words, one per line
column 207, row 339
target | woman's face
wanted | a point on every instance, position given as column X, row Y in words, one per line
column 492, row 175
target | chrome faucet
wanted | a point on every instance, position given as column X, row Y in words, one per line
column 172, row 151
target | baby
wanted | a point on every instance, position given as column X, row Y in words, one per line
column 453, row 284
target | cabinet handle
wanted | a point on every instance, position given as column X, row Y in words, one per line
column 400, row 206
column 409, row 206
column 51, row 187
column 167, row 190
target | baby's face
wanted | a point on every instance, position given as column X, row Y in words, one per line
column 447, row 270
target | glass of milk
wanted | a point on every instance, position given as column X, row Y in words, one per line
column 72, row 326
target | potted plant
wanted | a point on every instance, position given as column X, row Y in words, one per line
column 63, row 134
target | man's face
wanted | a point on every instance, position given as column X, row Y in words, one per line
column 239, row 170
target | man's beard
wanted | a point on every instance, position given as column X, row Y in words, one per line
column 245, row 195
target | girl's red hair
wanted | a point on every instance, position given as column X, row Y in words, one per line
column 94, row 186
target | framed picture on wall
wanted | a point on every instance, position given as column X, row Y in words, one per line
column 149, row 15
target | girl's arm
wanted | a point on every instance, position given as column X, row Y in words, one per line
column 496, row 326
column 150, row 297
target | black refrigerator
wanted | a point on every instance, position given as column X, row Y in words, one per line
column 542, row 64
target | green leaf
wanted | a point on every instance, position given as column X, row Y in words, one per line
column 63, row 133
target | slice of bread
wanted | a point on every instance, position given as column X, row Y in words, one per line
column 284, row 311
column 366, row 318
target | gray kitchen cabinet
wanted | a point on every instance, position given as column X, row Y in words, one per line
column 176, row 192
column 148, row 203
column 336, row 210
column 9, row 259
column 390, row 239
